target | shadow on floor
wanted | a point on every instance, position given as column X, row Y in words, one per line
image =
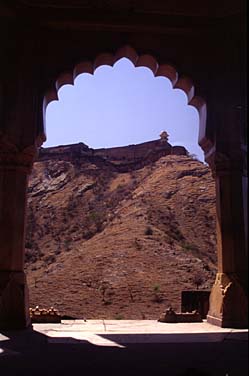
column 31, row 353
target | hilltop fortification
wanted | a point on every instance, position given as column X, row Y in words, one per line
column 123, row 158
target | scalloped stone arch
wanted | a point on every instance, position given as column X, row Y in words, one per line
column 183, row 83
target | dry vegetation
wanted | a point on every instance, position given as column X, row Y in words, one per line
column 104, row 244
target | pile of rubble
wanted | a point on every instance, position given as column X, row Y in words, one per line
column 43, row 315
column 170, row 316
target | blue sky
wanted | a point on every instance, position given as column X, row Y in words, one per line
column 119, row 106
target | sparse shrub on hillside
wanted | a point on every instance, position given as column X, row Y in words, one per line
column 74, row 228
column 120, row 187
column 206, row 267
column 149, row 214
column 103, row 181
column 198, row 279
column 175, row 233
column 88, row 234
column 67, row 244
column 123, row 191
column 40, row 232
column 32, row 252
column 57, row 251
column 109, row 203
column 58, row 248
column 130, row 292
column 148, row 231
column 94, row 216
column 30, row 256
column 158, row 298
column 137, row 244
column 119, row 317
column 103, row 288
column 190, row 247
column 99, row 226
column 49, row 259
column 156, row 288
column 65, row 219
column 99, row 197
column 46, row 229
column 97, row 219
column 114, row 200
column 72, row 203
column 170, row 241
column 107, row 302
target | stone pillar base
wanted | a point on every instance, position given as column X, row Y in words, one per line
column 14, row 302
column 228, row 303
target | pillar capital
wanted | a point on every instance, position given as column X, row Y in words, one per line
column 228, row 302
column 13, row 157
column 224, row 163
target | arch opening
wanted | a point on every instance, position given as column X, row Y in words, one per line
column 86, row 73
column 94, row 198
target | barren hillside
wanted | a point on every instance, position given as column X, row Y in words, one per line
column 108, row 244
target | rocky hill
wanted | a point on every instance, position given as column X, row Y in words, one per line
column 116, row 237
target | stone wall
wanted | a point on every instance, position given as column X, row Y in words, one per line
column 147, row 151
column 134, row 152
column 64, row 152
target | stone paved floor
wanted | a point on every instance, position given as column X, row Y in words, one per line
column 124, row 347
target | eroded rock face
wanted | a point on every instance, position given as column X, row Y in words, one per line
column 106, row 243
column 56, row 175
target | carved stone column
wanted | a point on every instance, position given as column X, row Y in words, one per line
column 229, row 298
column 15, row 166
